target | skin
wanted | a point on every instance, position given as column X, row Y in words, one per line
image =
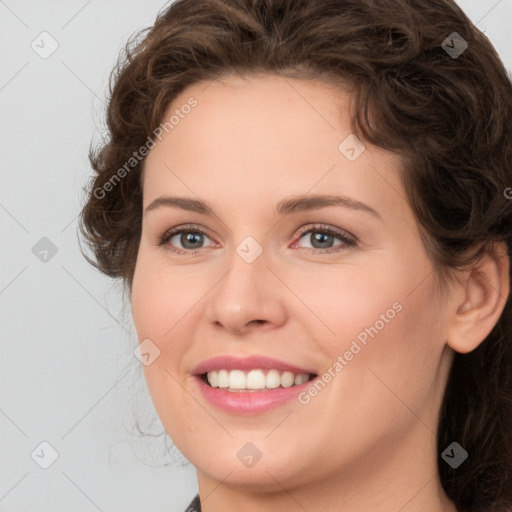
column 367, row 440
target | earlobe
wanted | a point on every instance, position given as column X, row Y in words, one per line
column 485, row 291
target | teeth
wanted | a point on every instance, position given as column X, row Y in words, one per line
column 272, row 379
column 301, row 378
column 223, row 381
column 235, row 380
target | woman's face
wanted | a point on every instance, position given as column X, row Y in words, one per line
column 360, row 312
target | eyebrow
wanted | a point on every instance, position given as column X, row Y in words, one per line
column 287, row 206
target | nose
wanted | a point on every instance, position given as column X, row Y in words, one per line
column 248, row 296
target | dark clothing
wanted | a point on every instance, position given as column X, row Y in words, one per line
column 195, row 505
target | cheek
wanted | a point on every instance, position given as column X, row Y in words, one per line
column 165, row 310
column 393, row 352
column 160, row 301
column 160, row 297
column 355, row 304
column 384, row 315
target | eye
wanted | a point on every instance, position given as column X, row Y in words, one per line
column 189, row 236
column 322, row 237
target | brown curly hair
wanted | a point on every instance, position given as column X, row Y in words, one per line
column 449, row 117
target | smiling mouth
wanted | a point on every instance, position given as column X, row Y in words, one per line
column 254, row 380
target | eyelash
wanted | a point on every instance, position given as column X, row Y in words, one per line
column 348, row 241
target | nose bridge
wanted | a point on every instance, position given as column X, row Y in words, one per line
column 245, row 294
column 247, row 269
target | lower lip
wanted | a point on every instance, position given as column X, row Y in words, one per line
column 250, row 402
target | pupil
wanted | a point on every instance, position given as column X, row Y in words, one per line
column 319, row 237
column 188, row 238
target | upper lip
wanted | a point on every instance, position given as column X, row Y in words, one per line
column 228, row 362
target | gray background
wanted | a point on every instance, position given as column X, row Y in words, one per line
column 67, row 372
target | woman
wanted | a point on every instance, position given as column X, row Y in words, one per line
column 369, row 369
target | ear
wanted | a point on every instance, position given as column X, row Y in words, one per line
column 484, row 291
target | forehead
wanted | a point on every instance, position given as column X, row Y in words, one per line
column 264, row 135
